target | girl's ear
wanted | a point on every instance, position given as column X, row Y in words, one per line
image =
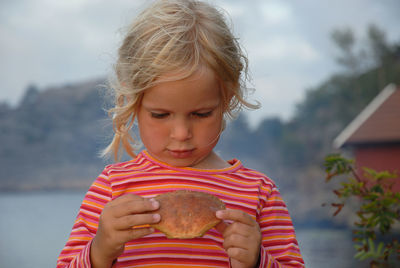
column 229, row 95
column 226, row 95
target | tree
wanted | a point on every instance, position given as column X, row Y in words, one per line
column 380, row 49
column 345, row 40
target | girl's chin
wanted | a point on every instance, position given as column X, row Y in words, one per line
column 183, row 158
column 183, row 161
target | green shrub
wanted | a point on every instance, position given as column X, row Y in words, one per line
column 378, row 209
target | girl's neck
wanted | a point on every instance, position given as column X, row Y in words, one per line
column 213, row 161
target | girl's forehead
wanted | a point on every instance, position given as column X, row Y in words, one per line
column 197, row 89
column 193, row 79
column 189, row 73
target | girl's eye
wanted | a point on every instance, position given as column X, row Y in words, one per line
column 202, row 115
column 159, row 115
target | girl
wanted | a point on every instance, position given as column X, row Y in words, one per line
column 179, row 76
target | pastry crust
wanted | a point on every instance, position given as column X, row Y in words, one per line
column 187, row 214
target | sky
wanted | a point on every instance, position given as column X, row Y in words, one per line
column 49, row 43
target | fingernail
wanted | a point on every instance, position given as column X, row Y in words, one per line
column 156, row 217
column 154, row 203
column 219, row 214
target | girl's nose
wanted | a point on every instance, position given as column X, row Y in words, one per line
column 181, row 130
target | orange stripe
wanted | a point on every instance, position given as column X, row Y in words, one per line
column 188, row 245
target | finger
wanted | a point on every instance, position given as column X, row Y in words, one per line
column 240, row 228
column 236, row 240
column 130, row 234
column 110, row 206
column 124, row 198
column 221, row 227
column 237, row 264
column 140, row 232
column 236, row 215
column 238, row 254
column 241, row 257
column 127, row 222
column 135, row 207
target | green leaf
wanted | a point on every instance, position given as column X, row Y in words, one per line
column 359, row 255
column 380, row 250
column 366, row 256
column 336, row 164
column 371, row 245
column 377, row 189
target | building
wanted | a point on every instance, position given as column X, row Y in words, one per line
column 374, row 135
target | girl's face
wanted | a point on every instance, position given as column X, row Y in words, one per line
column 180, row 121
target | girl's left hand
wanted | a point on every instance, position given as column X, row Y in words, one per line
column 242, row 238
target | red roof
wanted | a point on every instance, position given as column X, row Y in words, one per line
column 379, row 122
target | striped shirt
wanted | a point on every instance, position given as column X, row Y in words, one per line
column 238, row 187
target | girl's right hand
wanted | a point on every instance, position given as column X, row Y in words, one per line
column 116, row 227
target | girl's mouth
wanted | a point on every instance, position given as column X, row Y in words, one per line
column 181, row 153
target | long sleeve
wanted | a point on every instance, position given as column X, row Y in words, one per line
column 279, row 245
column 76, row 252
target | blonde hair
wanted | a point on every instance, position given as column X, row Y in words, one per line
column 174, row 36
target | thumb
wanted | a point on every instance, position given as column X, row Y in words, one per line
column 220, row 227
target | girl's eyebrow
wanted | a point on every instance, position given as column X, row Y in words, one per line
column 154, row 107
column 160, row 107
column 209, row 105
column 163, row 110
column 151, row 107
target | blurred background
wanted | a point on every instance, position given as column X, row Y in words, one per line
column 315, row 66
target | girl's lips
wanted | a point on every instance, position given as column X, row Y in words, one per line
column 181, row 153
